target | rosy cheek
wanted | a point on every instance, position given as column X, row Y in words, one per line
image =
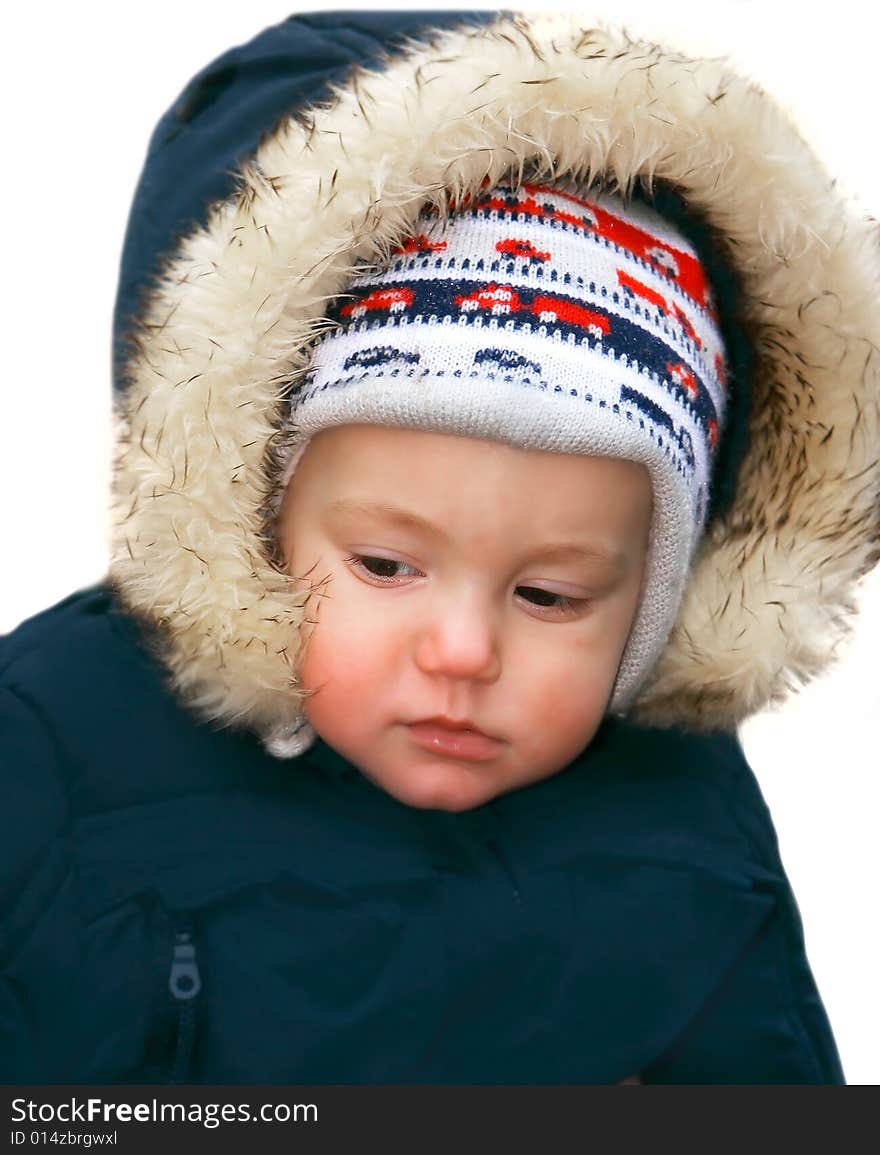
column 567, row 699
column 563, row 715
column 341, row 666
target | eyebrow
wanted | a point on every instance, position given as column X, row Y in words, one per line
column 559, row 551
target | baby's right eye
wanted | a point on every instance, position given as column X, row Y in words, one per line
column 375, row 566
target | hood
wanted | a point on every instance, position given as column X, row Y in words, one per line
column 424, row 118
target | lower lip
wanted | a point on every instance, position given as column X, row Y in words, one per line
column 470, row 745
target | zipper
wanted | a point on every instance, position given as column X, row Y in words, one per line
column 184, row 983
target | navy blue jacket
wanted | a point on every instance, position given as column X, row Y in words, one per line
column 181, row 902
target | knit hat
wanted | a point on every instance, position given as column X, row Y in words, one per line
column 547, row 320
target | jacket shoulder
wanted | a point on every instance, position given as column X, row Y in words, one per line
column 672, row 793
column 75, row 658
column 93, row 681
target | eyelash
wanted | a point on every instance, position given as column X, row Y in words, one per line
column 565, row 604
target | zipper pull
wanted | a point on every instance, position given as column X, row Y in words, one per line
column 184, row 982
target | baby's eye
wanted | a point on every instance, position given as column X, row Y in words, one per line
column 382, row 568
column 548, row 600
column 387, row 569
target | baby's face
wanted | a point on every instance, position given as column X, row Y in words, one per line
column 468, row 579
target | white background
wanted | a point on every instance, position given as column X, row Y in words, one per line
column 83, row 86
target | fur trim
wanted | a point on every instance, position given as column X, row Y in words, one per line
column 335, row 187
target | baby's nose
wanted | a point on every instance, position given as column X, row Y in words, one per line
column 461, row 641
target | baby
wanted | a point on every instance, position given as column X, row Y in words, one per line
column 399, row 745
column 495, row 492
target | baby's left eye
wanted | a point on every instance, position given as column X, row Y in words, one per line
column 548, row 600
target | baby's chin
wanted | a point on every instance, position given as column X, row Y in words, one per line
column 449, row 788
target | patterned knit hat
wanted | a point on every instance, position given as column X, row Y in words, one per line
column 547, row 320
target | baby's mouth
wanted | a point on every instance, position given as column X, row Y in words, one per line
column 455, row 741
